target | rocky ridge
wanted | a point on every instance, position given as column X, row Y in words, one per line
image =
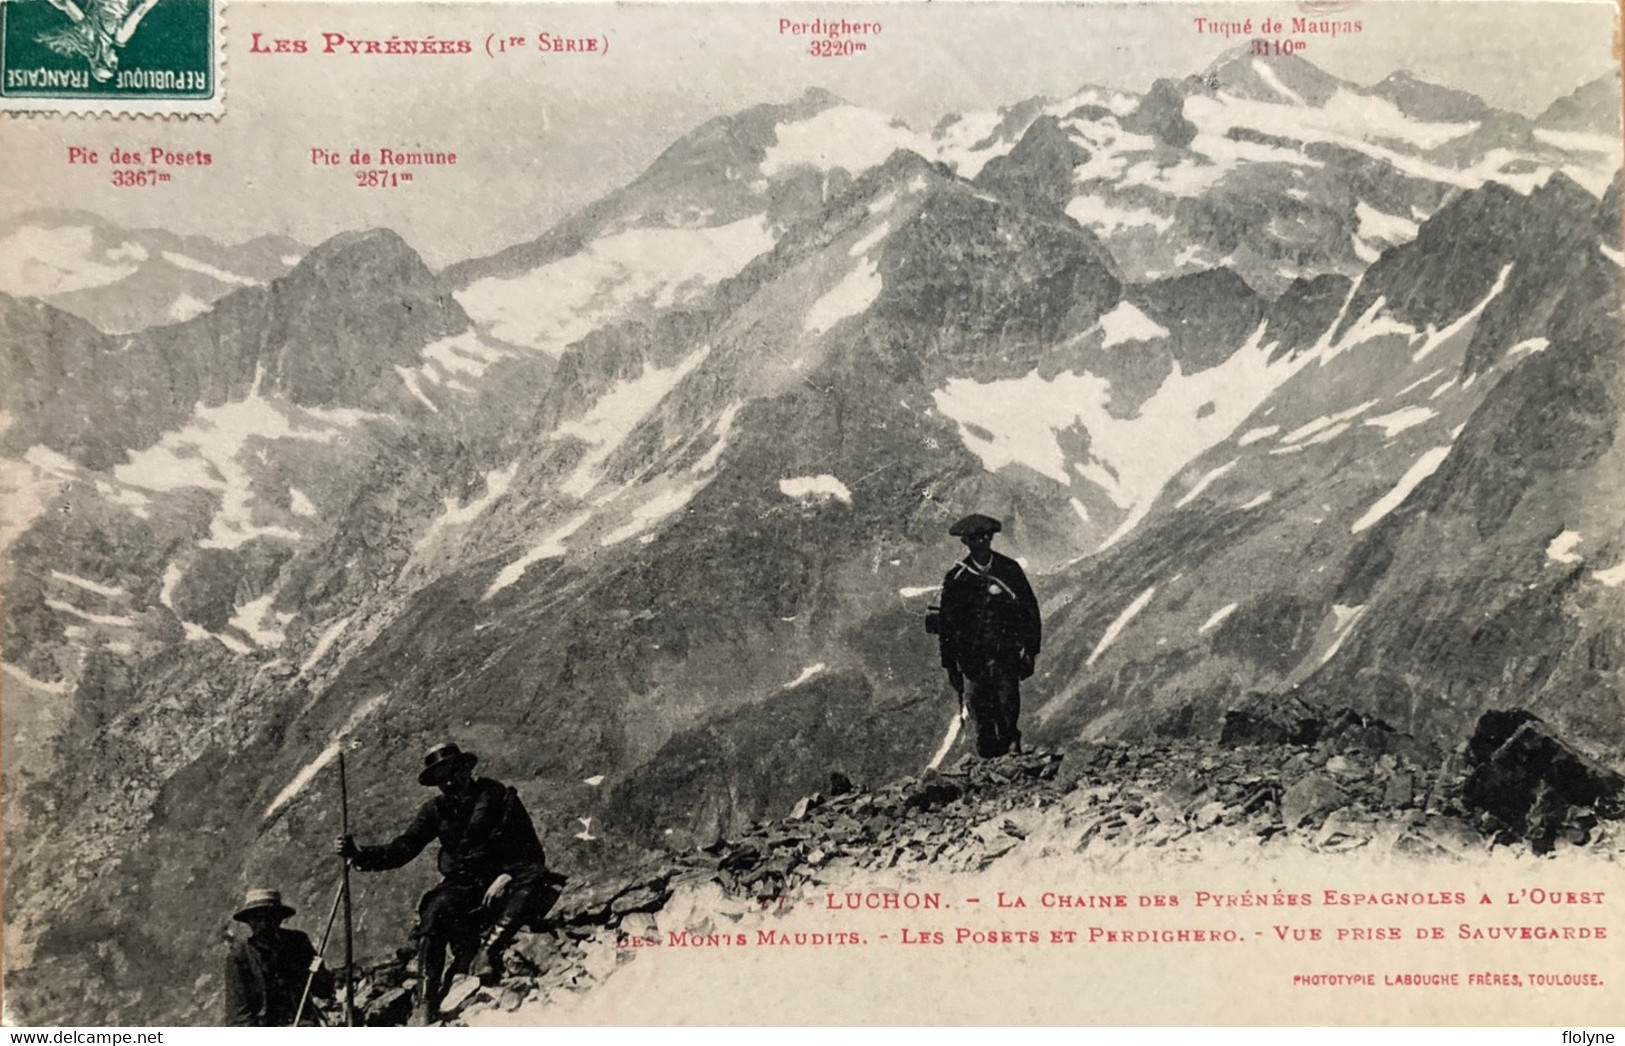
column 1282, row 774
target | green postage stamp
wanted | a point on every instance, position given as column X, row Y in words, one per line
column 114, row 56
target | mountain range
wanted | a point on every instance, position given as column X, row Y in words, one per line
column 1280, row 385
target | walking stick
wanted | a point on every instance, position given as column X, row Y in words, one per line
column 310, row 978
column 344, row 891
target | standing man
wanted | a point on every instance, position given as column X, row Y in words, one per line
column 266, row 973
column 491, row 864
column 989, row 634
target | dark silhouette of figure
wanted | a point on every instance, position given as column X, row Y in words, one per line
column 494, row 876
column 989, row 633
column 266, row 972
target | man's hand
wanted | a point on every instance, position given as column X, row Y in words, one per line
column 1026, row 665
column 492, row 892
column 956, row 679
column 346, row 848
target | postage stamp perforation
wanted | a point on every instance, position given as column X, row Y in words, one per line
column 113, row 58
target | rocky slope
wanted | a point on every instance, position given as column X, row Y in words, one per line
column 1282, row 780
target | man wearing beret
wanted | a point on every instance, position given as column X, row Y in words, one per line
column 989, row 634
column 491, row 864
column 266, row 972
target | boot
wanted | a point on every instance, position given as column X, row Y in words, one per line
column 488, row 964
column 431, row 989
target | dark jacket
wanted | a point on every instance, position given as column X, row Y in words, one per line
column 265, row 976
column 987, row 614
column 483, row 833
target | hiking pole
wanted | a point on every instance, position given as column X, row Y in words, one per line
column 310, row 978
column 344, row 891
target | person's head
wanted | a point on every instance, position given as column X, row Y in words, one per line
column 979, row 543
column 449, row 768
column 976, row 532
column 262, row 911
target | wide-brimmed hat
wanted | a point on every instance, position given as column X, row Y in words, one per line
column 441, row 760
column 975, row 523
column 266, row 902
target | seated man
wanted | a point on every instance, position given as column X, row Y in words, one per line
column 491, row 864
column 266, row 974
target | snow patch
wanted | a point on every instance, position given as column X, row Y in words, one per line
column 845, row 136
column 1217, row 619
column 60, row 687
column 1424, row 467
column 1429, row 376
column 1528, row 347
column 806, row 674
column 1561, row 549
column 1579, row 141
column 914, row 591
column 410, row 378
column 1617, row 257
column 172, row 577
column 615, row 414
column 28, row 487
column 198, row 634
column 1436, row 338
column 1093, row 212
column 875, row 235
column 462, row 353
column 299, row 504
column 1125, row 323
column 453, row 514
column 1260, row 500
column 1613, row 577
column 88, row 585
column 1254, row 435
column 594, row 781
column 1385, row 228
column 652, row 511
column 550, row 547
column 191, row 264
column 857, row 290
column 309, row 771
column 110, row 620
column 815, row 488
column 207, row 453
column 323, row 644
column 724, row 425
column 1015, row 422
column 39, row 262
column 555, row 305
column 1203, row 483
column 184, row 307
column 1400, row 420
column 948, row 740
column 258, row 622
column 1116, row 627
column 1343, row 619
column 1298, row 435
column 1273, row 82
column 1081, row 509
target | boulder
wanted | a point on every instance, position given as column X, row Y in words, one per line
column 1531, row 783
column 1270, row 719
column 1310, row 799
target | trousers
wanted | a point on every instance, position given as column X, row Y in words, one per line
column 993, row 697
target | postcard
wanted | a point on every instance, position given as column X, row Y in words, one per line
column 812, row 514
